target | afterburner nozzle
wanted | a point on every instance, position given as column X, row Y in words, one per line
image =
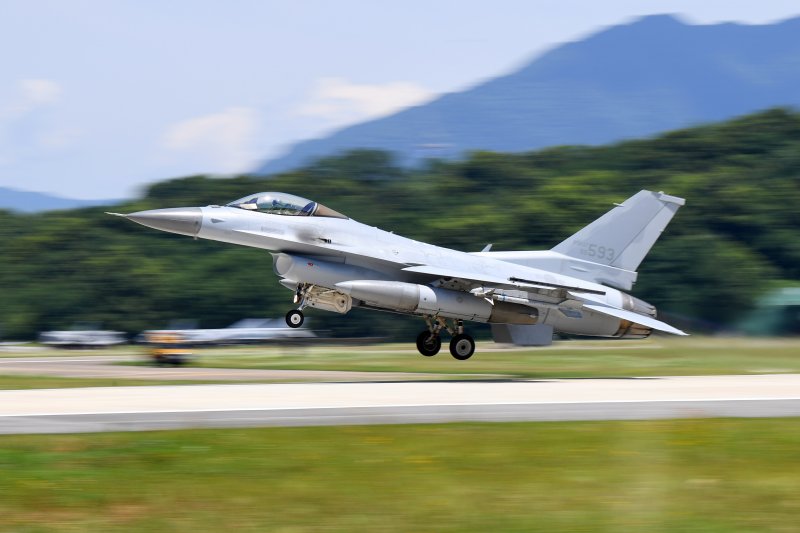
column 181, row 220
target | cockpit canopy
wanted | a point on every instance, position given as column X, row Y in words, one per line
column 279, row 203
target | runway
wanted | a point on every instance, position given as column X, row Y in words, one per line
column 105, row 366
column 253, row 405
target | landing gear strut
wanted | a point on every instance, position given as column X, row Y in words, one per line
column 295, row 317
column 429, row 342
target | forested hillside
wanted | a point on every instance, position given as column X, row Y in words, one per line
column 655, row 74
column 736, row 236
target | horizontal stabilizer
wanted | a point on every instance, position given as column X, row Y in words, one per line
column 635, row 318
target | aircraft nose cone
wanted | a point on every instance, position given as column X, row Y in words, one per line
column 182, row 220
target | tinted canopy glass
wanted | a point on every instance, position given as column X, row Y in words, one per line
column 279, row 203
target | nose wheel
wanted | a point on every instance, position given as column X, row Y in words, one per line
column 295, row 318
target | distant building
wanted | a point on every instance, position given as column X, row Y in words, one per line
column 776, row 314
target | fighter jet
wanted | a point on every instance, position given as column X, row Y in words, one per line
column 334, row 263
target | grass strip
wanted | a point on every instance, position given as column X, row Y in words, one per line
column 659, row 356
column 20, row 382
column 668, row 475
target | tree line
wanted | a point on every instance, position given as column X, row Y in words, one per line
column 735, row 238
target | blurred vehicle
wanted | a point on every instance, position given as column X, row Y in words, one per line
column 245, row 331
column 82, row 338
column 167, row 348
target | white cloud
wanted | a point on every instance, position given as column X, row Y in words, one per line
column 27, row 125
column 41, row 91
column 222, row 141
column 338, row 101
column 31, row 95
column 59, row 138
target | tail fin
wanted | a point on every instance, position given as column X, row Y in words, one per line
column 622, row 237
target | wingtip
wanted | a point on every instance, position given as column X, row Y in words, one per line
column 123, row 215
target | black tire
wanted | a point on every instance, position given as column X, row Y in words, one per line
column 428, row 344
column 462, row 346
column 295, row 318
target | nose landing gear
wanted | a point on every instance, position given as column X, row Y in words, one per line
column 318, row 297
column 295, row 317
column 429, row 341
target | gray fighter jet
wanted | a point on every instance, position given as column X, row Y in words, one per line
column 334, row 263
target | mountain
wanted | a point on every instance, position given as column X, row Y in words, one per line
column 655, row 74
column 33, row 202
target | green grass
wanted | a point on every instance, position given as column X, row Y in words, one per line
column 38, row 350
column 18, row 382
column 659, row 356
column 686, row 475
column 587, row 358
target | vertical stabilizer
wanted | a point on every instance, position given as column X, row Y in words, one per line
column 622, row 237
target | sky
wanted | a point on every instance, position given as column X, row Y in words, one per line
column 99, row 98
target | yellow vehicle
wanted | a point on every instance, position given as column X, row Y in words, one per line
column 167, row 348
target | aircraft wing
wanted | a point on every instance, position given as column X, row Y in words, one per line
column 588, row 297
column 495, row 282
column 437, row 272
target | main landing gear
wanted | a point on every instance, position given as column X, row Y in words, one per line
column 429, row 342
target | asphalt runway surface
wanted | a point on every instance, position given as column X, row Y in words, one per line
column 397, row 402
column 105, row 366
